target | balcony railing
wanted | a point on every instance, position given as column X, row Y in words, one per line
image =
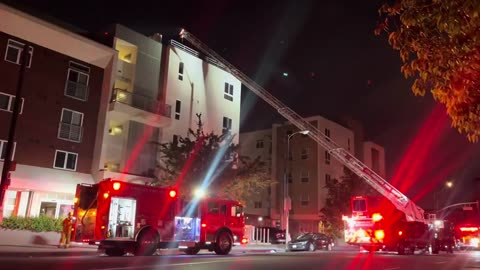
column 141, row 102
column 70, row 132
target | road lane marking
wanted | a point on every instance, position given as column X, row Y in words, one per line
column 171, row 264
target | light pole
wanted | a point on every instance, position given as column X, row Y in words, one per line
column 286, row 198
column 448, row 184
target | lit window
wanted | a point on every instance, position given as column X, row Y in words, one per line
column 3, row 149
column 65, row 160
column 7, row 101
column 14, row 52
column 228, row 92
column 77, row 81
column 71, row 123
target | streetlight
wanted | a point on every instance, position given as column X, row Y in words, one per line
column 448, row 185
column 286, row 198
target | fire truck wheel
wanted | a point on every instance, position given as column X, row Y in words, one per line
column 115, row 252
column 192, row 250
column 223, row 244
column 147, row 243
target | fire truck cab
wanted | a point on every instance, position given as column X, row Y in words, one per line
column 210, row 223
column 124, row 217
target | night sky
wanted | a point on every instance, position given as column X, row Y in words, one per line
column 336, row 68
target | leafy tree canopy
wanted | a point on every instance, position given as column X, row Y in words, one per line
column 439, row 45
column 210, row 161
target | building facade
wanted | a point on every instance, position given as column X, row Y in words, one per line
column 160, row 89
column 306, row 168
column 66, row 79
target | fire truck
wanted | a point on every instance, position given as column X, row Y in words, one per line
column 413, row 221
column 210, row 223
column 122, row 217
column 468, row 236
column 376, row 224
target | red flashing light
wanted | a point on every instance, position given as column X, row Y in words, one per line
column 105, row 195
column 244, row 241
column 116, row 186
column 204, row 225
column 469, row 229
column 172, row 193
column 75, row 200
column 400, row 233
column 379, row 234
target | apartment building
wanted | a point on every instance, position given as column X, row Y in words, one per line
column 307, row 168
column 258, row 144
column 66, row 80
column 160, row 86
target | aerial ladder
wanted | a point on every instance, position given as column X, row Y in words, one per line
column 402, row 203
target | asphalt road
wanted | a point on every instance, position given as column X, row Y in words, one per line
column 278, row 261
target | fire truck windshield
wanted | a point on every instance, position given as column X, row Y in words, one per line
column 359, row 205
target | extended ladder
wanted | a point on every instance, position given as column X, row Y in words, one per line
column 401, row 202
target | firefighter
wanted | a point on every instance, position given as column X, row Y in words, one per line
column 66, row 231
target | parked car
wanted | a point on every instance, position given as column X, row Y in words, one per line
column 311, row 242
column 275, row 235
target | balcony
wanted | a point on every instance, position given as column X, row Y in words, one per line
column 70, row 132
column 125, row 71
column 126, row 105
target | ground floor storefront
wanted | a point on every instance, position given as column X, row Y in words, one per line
column 38, row 191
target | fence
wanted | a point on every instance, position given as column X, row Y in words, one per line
column 257, row 235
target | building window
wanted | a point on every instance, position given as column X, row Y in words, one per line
column 7, row 101
column 348, row 144
column 305, row 177
column 227, row 125
column 14, row 52
column 327, row 157
column 290, row 177
column 228, row 92
column 175, row 140
column 259, row 144
column 328, row 179
column 71, row 123
column 327, row 133
column 304, row 200
column 178, row 105
column 257, row 204
column 304, row 153
column 65, row 160
column 77, row 81
column 3, row 149
column 180, row 71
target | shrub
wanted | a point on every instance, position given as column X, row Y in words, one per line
column 41, row 223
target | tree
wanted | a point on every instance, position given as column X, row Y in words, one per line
column 338, row 200
column 439, row 45
column 210, row 161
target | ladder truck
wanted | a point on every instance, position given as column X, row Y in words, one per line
column 412, row 213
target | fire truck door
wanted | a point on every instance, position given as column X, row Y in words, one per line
column 223, row 214
column 122, row 217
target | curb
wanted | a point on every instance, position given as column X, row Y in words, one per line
column 27, row 254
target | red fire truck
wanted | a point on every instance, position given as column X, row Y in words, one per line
column 124, row 217
column 210, row 223
column 468, row 236
column 376, row 224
